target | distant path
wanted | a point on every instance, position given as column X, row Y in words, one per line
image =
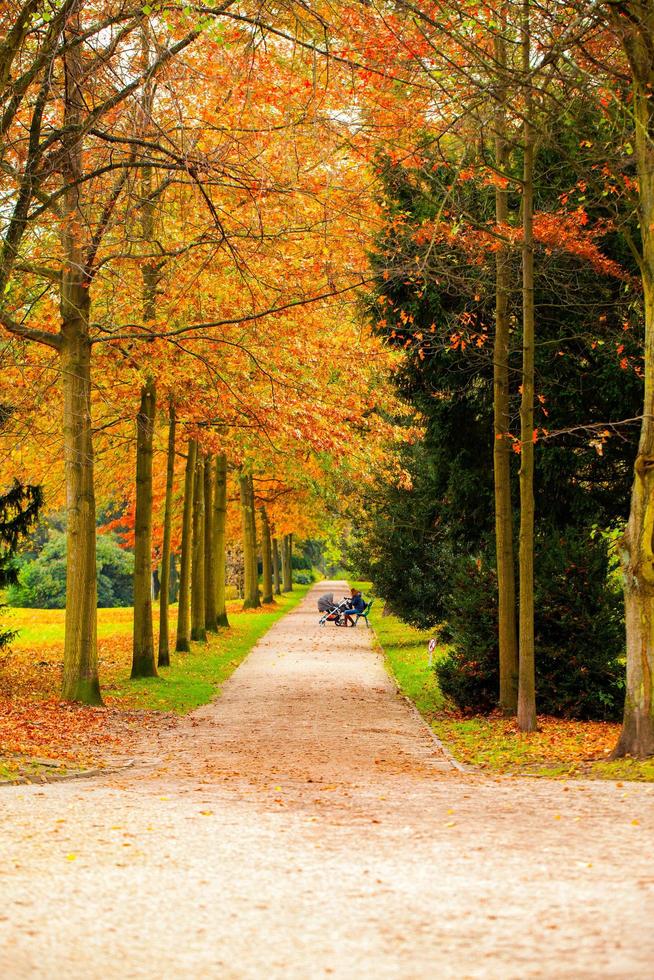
column 306, row 825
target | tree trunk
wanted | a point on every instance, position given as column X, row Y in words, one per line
column 143, row 664
column 275, row 563
column 508, row 648
column 287, row 563
column 266, row 553
column 80, row 673
column 526, row 675
column 198, row 626
column 637, row 552
column 251, row 590
column 184, row 610
column 164, row 591
column 219, row 524
column 209, row 553
column 174, row 579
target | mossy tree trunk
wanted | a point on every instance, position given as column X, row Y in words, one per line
column 183, row 642
column 266, row 554
column 209, row 544
column 143, row 662
column 508, row 647
column 634, row 22
column 80, row 671
column 198, row 626
column 287, row 563
column 275, row 564
column 163, row 658
column 219, row 526
column 251, row 598
column 143, row 659
column 526, row 670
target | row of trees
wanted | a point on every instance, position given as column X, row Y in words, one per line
column 182, row 228
column 188, row 204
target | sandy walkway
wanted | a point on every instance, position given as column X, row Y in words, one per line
column 306, row 825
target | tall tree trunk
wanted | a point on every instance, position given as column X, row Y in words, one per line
column 251, row 591
column 209, row 543
column 508, row 647
column 219, row 525
column 164, row 591
column 80, row 674
column 526, row 676
column 637, row 551
column 143, row 663
column 275, row 563
column 184, row 609
column 287, row 563
column 266, row 553
column 198, row 626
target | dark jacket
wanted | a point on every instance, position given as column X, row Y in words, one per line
column 357, row 602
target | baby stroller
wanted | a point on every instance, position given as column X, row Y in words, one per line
column 331, row 611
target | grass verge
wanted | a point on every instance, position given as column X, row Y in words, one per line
column 194, row 678
column 492, row 743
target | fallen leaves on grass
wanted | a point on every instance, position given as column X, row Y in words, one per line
column 559, row 747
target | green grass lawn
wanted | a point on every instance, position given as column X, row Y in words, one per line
column 44, row 627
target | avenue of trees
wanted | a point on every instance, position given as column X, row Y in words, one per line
column 386, row 267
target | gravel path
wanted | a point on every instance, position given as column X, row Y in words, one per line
column 307, row 825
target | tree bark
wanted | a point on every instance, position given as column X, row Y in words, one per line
column 80, row 673
column 198, row 626
column 287, row 563
column 164, row 591
column 251, row 590
column 526, row 674
column 266, row 553
column 508, row 647
column 637, row 552
column 174, row 579
column 143, row 663
column 183, row 643
column 219, row 525
column 209, row 544
column 275, row 562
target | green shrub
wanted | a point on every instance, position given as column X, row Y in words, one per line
column 302, row 578
column 579, row 633
column 42, row 581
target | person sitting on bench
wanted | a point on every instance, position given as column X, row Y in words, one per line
column 356, row 606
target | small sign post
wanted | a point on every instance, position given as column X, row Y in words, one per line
column 431, row 646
